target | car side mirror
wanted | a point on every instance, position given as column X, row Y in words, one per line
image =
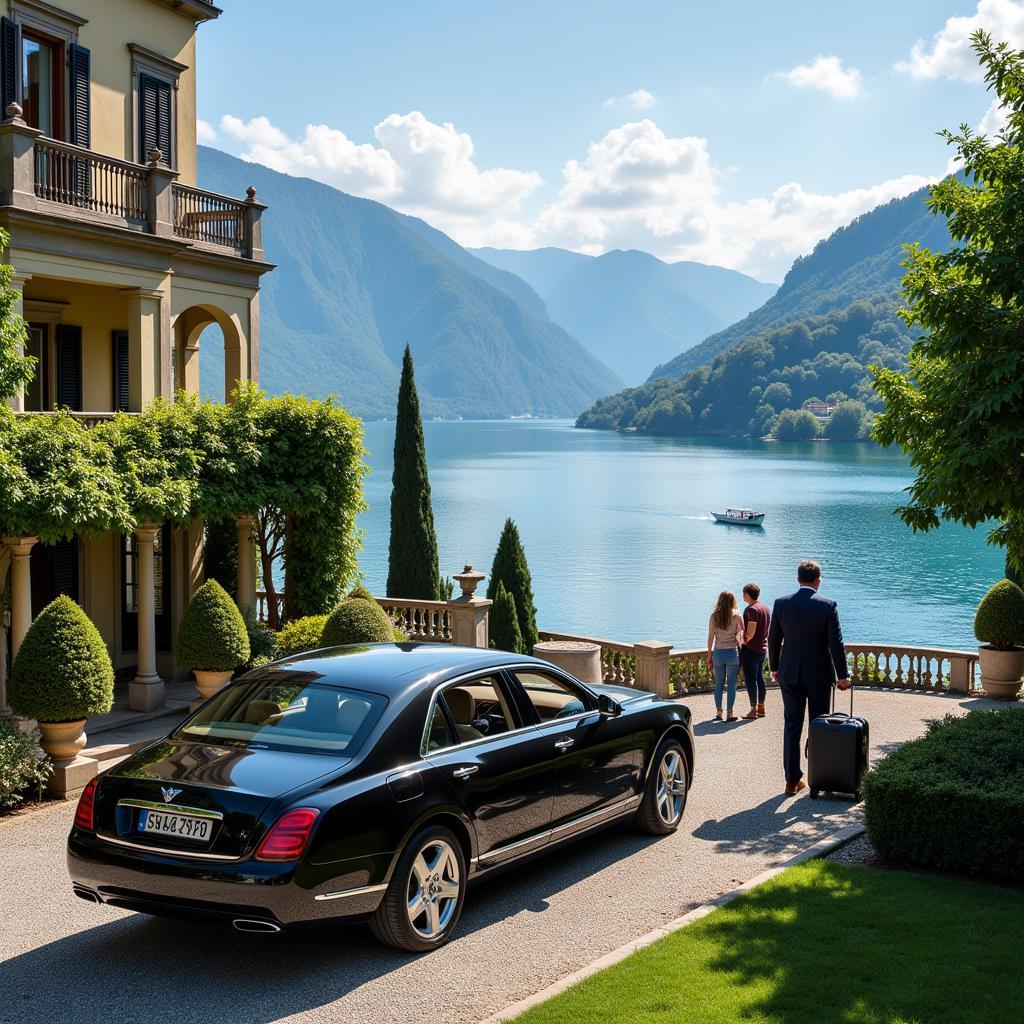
column 609, row 707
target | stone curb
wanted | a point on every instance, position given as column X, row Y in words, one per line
column 819, row 849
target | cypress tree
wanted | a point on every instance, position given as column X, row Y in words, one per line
column 504, row 627
column 510, row 568
column 412, row 554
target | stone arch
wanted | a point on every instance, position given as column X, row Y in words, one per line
column 189, row 326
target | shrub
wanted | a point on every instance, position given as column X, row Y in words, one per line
column 262, row 644
column 23, row 767
column 510, row 567
column 300, row 635
column 62, row 671
column 796, row 425
column 359, row 590
column 212, row 635
column 357, row 621
column 999, row 620
column 504, row 627
column 953, row 800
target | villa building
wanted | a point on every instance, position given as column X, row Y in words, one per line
column 121, row 262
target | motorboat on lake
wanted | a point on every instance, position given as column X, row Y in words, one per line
column 739, row 517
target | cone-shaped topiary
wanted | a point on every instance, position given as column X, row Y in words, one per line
column 412, row 553
column 504, row 628
column 510, row 568
column 357, row 621
column 62, row 672
column 999, row 621
column 212, row 635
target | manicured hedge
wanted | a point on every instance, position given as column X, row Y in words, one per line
column 357, row 621
column 62, row 672
column 953, row 800
column 212, row 635
column 300, row 635
column 999, row 620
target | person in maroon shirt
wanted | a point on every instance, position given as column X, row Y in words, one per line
column 756, row 622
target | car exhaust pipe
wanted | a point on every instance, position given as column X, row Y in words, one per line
column 86, row 894
column 246, row 924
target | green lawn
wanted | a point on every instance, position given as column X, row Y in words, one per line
column 823, row 943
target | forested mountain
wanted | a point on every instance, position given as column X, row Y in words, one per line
column 833, row 316
column 630, row 309
column 356, row 281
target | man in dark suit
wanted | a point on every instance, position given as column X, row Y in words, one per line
column 806, row 657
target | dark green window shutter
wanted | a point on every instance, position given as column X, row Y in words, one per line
column 78, row 89
column 65, row 568
column 155, row 97
column 119, row 349
column 69, row 367
column 10, row 63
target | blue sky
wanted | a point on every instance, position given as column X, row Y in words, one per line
column 734, row 133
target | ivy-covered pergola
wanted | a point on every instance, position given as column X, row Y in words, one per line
column 296, row 459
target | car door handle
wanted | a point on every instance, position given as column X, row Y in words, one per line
column 564, row 744
column 464, row 773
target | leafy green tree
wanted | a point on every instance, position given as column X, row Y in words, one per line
column 16, row 369
column 777, row 395
column 959, row 409
column 510, row 568
column 220, row 552
column 504, row 623
column 412, row 554
column 796, row 425
column 848, row 422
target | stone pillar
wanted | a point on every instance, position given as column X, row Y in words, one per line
column 161, row 195
column 579, row 658
column 470, row 615
column 21, row 589
column 5, row 564
column 253, row 225
column 145, row 346
column 652, row 666
column 246, row 590
column 17, row 160
column 960, row 674
column 146, row 690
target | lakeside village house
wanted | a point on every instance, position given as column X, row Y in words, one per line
column 121, row 262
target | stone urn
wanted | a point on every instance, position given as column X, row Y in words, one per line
column 63, row 741
column 209, row 682
column 1001, row 671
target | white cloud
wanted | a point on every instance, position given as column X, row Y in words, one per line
column 949, row 55
column 828, row 75
column 204, row 131
column 994, row 120
column 639, row 99
column 416, row 166
column 639, row 188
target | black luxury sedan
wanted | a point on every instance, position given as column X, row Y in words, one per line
column 373, row 783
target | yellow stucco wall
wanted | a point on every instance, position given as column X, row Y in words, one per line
column 111, row 26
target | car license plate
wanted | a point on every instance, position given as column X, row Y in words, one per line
column 181, row 826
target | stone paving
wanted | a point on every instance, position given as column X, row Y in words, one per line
column 63, row 959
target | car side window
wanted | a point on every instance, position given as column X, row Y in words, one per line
column 551, row 698
column 478, row 708
column 438, row 732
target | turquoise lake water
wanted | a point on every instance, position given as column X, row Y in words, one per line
column 620, row 544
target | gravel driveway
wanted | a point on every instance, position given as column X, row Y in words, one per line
column 62, row 959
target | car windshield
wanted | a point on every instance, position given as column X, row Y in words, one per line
column 283, row 710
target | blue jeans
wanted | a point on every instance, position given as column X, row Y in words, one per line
column 726, row 661
column 753, row 675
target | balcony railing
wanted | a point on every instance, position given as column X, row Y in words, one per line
column 40, row 173
column 87, row 419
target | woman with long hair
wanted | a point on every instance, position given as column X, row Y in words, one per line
column 725, row 634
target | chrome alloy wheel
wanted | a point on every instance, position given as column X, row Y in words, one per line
column 434, row 886
column 671, row 787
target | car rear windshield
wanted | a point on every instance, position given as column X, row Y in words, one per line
column 277, row 711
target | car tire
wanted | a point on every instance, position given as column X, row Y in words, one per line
column 661, row 811
column 420, row 910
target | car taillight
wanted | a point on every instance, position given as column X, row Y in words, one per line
column 86, row 802
column 289, row 835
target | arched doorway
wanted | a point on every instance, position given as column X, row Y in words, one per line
column 211, row 353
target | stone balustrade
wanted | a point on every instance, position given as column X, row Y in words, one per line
column 421, row 621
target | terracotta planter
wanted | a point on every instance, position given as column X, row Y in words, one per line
column 62, row 740
column 1001, row 672
column 208, row 682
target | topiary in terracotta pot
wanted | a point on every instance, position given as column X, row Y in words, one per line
column 212, row 638
column 999, row 627
column 61, row 676
column 357, row 621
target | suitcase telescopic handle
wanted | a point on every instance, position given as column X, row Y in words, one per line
column 834, row 688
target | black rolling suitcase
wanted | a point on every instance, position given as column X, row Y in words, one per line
column 837, row 752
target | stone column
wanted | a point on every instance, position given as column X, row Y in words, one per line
column 470, row 615
column 161, row 195
column 21, row 589
column 246, row 590
column 17, row 160
column 5, row 564
column 146, row 690
column 145, row 345
column 652, row 666
column 253, row 225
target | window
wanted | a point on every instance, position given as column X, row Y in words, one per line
column 155, row 96
column 551, row 698
column 281, row 710
column 439, row 733
column 36, row 390
column 474, row 709
column 42, row 65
